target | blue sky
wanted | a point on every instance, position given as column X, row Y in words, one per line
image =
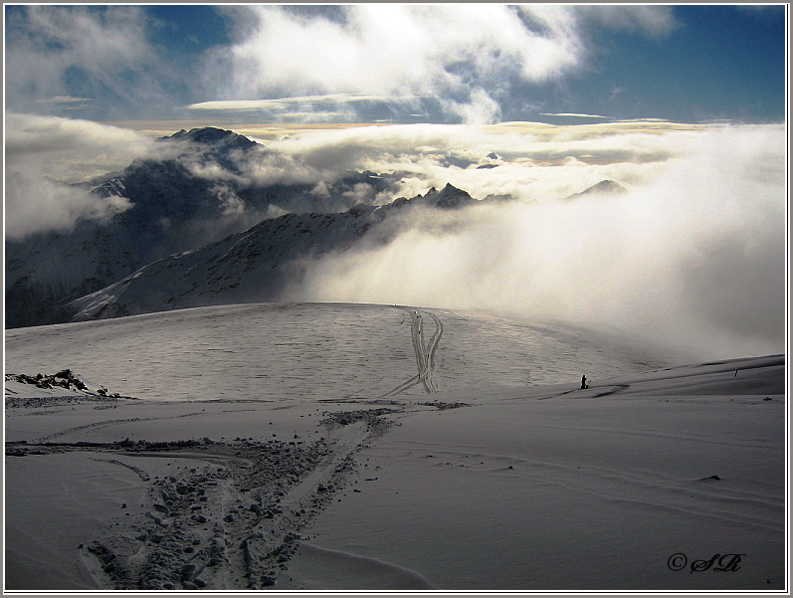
column 719, row 62
column 399, row 63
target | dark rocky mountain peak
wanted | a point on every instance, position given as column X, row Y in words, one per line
column 212, row 136
column 448, row 197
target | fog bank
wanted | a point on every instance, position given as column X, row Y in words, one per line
column 695, row 257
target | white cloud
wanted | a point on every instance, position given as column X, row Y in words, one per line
column 388, row 50
column 69, row 149
column 338, row 107
column 230, row 202
column 36, row 205
column 361, row 193
column 285, row 104
column 657, row 20
column 71, row 57
column 101, row 61
column 479, row 109
column 42, row 151
column 62, row 100
column 469, row 57
column 574, row 115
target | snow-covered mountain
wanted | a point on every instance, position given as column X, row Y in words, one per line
column 256, row 264
column 204, row 185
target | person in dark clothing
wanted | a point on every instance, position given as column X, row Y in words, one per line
column 584, row 382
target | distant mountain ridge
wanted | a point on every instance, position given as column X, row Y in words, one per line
column 175, row 207
column 253, row 265
column 202, row 229
column 201, row 195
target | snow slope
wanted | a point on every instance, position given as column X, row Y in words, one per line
column 304, row 447
column 322, row 350
column 621, row 487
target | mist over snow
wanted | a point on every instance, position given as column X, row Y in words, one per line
column 70, row 150
column 52, row 163
column 693, row 256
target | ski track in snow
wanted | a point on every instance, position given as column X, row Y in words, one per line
column 431, row 348
column 273, row 352
column 425, row 354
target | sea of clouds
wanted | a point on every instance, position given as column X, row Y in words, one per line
column 693, row 253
